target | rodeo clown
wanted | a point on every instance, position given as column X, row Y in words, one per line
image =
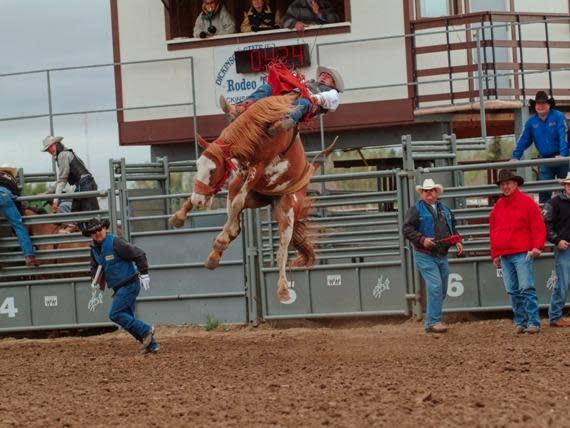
column 314, row 96
column 118, row 258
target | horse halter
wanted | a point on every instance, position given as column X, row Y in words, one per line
column 207, row 190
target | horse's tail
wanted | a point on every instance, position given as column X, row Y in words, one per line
column 302, row 238
column 325, row 153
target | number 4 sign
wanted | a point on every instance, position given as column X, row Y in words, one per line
column 8, row 307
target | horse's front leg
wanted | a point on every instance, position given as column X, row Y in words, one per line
column 236, row 202
column 284, row 214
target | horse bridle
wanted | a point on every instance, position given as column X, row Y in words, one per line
column 207, row 190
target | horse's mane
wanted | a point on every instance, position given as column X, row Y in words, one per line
column 244, row 135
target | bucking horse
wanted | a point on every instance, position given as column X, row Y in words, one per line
column 268, row 170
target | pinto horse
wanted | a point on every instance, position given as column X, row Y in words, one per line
column 269, row 170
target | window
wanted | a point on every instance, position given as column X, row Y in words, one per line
column 433, row 8
column 181, row 14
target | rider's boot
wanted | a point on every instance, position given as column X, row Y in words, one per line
column 281, row 126
column 232, row 111
column 32, row 261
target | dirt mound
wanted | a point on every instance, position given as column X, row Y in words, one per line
column 393, row 374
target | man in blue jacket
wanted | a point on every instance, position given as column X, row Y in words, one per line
column 548, row 130
column 118, row 259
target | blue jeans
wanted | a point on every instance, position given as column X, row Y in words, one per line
column 560, row 291
column 518, row 276
column 546, row 172
column 122, row 311
column 435, row 272
column 302, row 105
column 8, row 207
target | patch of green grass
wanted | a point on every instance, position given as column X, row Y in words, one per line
column 211, row 323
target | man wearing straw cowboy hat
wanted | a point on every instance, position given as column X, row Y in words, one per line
column 517, row 236
column 430, row 227
column 548, row 130
column 72, row 170
column 557, row 218
column 9, row 190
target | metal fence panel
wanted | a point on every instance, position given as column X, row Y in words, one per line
column 182, row 290
column 193, row 311
column 361, row 264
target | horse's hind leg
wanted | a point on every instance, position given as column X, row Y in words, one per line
column 284, row 214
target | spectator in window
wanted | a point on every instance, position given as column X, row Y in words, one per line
column 302, row 13
column 548, row 130
column 259, row 17
column 430, row 227
column 517, row 234
column 213, row 20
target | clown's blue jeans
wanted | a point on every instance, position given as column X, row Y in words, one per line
column 8, row 207
column 302, row 105
column 518, row 276
column 546, row 172
column 435, row 272
column 122, row 311
column 560, row 291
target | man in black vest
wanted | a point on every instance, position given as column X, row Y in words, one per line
column 9, row 190
column 72, row 170
column 430, row 227
column 557, row 218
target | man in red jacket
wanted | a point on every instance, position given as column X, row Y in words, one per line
column 517, row 236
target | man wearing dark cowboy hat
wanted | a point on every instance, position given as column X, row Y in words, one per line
column 517, row 236
column 9, row 190
column 429, row 225
column 548, row 130
column 125, row 270
column 72, row 170
column 322, row 93
column 557, row 218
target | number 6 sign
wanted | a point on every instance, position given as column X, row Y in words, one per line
column 455, row 286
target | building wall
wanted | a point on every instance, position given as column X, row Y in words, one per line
column 142, row 36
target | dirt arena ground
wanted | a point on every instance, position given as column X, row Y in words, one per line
column 479, row 374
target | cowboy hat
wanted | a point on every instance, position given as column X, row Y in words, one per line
column 565, row 180
column 542, row 97
column 430, row 184
column 338, row 82
column 94, row 225
column 506, row 175
column 49, row 140
column 12, row 170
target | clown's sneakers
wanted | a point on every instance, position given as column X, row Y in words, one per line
column 148, row 338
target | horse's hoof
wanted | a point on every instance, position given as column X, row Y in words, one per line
column 212, row 263
column 175, row 221
column 283, row 294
